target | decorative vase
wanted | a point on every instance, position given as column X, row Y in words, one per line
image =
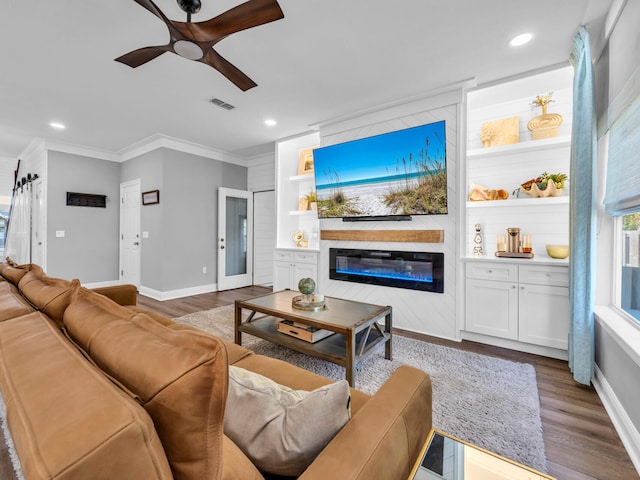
column 545, row 125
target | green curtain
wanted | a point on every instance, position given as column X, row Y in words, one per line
column 582, row 212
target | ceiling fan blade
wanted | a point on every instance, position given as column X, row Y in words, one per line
column 141, row 56
column 153, row 8
column 247, row 15
column 215, row 60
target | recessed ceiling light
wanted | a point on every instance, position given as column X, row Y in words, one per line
column 521, row 39
column 57, row 125
column 270, row 122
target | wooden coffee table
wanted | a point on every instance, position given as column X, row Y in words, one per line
column 356, row 327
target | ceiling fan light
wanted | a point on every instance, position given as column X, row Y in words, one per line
column 188, row 50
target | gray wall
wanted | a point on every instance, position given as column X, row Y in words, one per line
column 183, row 226
column 89, row 249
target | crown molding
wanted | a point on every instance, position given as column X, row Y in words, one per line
column 149, row 144
column 154, row 142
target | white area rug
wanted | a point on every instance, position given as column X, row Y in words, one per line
column 9, row 441
column 490, row 402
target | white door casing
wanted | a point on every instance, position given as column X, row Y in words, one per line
column 38, row 225
column 264, row 236
column 235, row 238
column 130, row 232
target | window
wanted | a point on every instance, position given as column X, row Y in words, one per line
column 622, row 200
column 630, row 262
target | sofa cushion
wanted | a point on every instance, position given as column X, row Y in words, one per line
column 235, row 464
column 14, row 274
column 179, row 376
column 66, row 419
column 12, row 304
column 280, row 429
column 47, row 294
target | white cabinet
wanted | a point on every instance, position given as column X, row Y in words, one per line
column 527, row 303
column 291, row 266
column 492, row 308
column 543, row 315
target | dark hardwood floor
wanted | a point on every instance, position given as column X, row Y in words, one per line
column 581, row 442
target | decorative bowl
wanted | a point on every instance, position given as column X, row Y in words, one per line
column 550, row 191
column 558, row 251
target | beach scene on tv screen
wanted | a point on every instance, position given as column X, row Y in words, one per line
column 397, row 173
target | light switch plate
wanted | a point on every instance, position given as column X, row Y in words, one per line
column 59, row 233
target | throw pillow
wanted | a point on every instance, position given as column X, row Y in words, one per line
column 282, row 430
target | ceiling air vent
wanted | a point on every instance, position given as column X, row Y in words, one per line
column 222, row 104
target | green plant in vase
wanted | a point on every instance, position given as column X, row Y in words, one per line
column 313, row 201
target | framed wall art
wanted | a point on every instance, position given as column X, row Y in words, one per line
column 305, row 165
column 151, row 197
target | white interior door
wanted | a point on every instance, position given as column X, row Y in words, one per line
column 235, row 238
column 130, row 232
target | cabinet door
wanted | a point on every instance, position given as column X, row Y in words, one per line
column 304, row 270
column 281, row 275
column 492, row 308
column 544, row 315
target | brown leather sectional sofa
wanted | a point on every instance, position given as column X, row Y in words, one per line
column 96, row 388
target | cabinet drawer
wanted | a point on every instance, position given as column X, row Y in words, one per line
column 280, row 256
column 306, row 257
column 493, row 271
column 544, row 275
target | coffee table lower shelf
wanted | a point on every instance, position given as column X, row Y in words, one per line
column 331, row 349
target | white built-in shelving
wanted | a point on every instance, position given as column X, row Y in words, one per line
column 508, row 166
column 291, row 263
column 499, row 312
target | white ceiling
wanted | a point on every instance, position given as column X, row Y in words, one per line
column 324, row 60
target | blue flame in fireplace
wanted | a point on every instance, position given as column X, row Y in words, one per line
column 396, row 275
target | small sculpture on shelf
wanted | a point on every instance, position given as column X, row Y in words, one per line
column 478, row 250
column 545, row 125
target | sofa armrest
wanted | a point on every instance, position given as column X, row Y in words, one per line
column 383, row 439
column 121, row 294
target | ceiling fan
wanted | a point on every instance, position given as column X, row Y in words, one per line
column 195, row 41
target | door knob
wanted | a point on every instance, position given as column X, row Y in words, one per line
column 136, row 243
column 221, row 247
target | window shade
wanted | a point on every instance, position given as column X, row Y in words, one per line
column 623, row 166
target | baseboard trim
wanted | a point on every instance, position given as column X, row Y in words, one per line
column 110, row 283
column 629, row 435
column 515, row 345
column 180, row 293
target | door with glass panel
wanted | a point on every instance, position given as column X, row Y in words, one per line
column 235, row 238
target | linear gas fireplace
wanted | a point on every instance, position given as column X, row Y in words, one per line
column 412, row 270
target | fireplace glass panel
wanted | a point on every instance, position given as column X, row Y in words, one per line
column 412, row 270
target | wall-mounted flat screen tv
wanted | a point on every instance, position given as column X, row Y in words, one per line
column 395, row 174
